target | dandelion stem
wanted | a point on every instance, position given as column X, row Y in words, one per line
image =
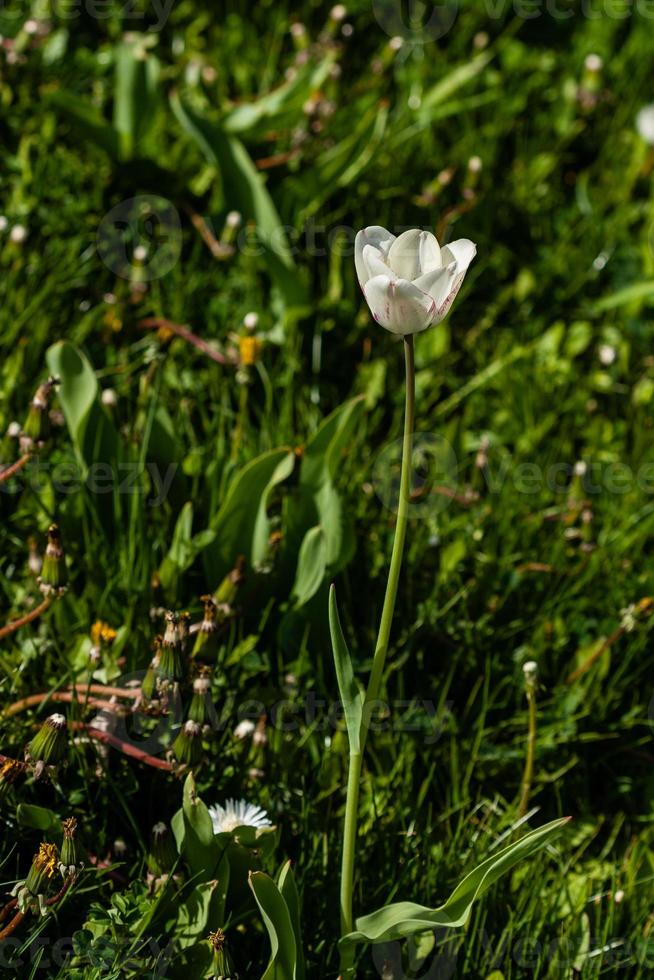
column 14, row 468
column 9, row 928
column 66, row 697
column 24, row 620
column 528, row 775
column 125, row 747
column 379, row 661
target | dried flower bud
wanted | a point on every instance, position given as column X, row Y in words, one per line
column 200, row 706
column 49, row 745
column 70, row 849
column 530, row 670
column 187, row 747
column 31, row 892
column 171, row 667
column 10, row 770
column 54, row 576
column 223, row 968
column 36, row 431
column 163, row 853
column 205, row 644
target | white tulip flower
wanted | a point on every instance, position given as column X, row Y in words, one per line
column 409, row 282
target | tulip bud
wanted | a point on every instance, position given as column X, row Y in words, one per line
column 206, row 636
column 54, row 576
column 36, row 431
column 223, row 968
column 163, row 853
column 49, row 745
column 71, row 852
column 187, row 747
column 409, row 282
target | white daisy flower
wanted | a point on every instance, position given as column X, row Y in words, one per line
column 237, row 813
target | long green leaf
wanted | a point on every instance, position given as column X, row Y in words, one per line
column 277, row 920
column 406, row 919
column 288, row 889
column 311, row 566
column 351, row 694
column 241, row 526
column 245, row 189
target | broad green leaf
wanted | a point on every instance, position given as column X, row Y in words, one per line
column 38, row 817
column 245, row 189
column 196, row 839
column 288, row 888
column 311, row 566
column 91, row 430
column 318, row 500
column 136, row 93
column 203, row 909
column 405, row 919
column 351, row 694
column 241, row 526
column 277, row 920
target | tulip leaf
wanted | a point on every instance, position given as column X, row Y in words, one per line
column 288, row 888
column 406, row 919
column 351, row 694
column 195, row 838
column 136, row 92
column 277, row 920
column 318, row 500
column 245, row 189
column 311, row 566
column 38, row 817
column 202, row 908
column 241, row 526
column 271, row 108
column 92, row 432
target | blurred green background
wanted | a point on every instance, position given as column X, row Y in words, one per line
column 130, row 134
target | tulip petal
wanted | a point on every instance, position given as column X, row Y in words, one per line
column 437, row 283
column 374, row 263
column 376, row 236
column 462, row 252
column 398, row 305
column 404, row 254
column 429, row 253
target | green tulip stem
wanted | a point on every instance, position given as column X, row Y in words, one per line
column 379, row 660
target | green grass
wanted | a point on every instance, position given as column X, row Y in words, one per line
column 563, row 215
